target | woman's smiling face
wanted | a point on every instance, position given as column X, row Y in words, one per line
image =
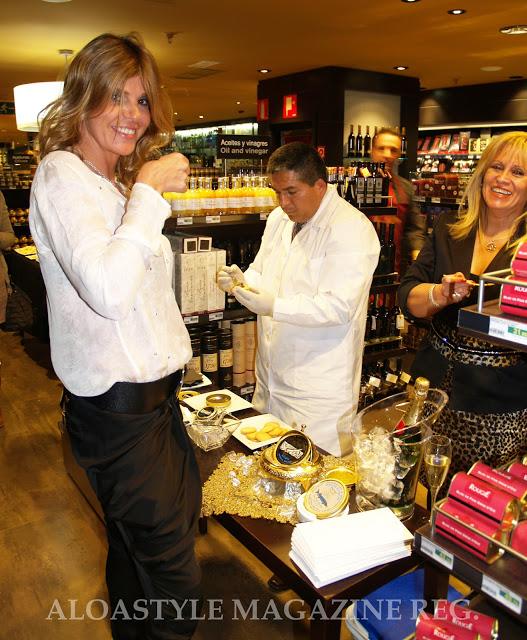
column 504, row 186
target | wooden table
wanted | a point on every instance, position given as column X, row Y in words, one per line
column 270, row 542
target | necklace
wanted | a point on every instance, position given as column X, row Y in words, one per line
column 490, row 243
column 95, row 170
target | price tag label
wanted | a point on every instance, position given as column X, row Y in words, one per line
column 437, row 553
column 218, row 315
column 212, row 219
column 247, row 390
column 184, row 221
column 399, row 321
column 502, row 594
column 435, row 200
column 508, row 330
column 458, row 200
column 390, row 377
column 420, row 199
column 404, row 377
column 263, row 216
column 191, row 319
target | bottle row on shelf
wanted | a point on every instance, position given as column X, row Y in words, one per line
column 362, row 183
column 227, row 195
column 359, row 146
column 382, row 379
column 13, row 179
column 384, row 322
column 224, row 352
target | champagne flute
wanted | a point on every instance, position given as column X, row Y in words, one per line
column 437, row 457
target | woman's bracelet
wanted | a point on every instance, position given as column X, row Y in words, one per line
column 431, row 298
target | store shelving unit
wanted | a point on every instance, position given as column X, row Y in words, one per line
column 485, row 320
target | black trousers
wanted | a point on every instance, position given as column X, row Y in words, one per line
column 143, row 470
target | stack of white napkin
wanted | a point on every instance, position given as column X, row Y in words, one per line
column 336, row 548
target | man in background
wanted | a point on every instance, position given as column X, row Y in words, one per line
column 410, row 232
column 309, row 286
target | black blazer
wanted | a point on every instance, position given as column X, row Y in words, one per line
column 474, row 388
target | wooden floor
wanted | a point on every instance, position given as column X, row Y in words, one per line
column 52, row 545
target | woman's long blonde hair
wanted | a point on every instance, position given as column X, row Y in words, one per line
column 96, row 73
column 473, row 209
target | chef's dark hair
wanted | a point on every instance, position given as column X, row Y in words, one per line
column 300, row 158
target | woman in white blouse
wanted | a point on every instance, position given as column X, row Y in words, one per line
column 118, row 342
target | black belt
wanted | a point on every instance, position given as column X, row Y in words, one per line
column 137, row 397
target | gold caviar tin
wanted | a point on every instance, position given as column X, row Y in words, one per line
column 218, row 400
column 326, row 498
column 344, row 474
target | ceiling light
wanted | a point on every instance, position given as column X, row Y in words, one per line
column 31, row 101
column 409, row 0
column 238, row 102
column 400, row 67
column 491, row 67
column 201, row 117
column 264, row 70
column 456, row 12
column 515, row 30
column 56, row 1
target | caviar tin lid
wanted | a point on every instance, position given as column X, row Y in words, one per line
column 186, row 393
column 342, row 473
column 218, row 400
column 294, row 448
column 326, row 498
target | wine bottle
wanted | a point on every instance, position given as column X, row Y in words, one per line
column 351, row 143
column 404, row 142
column 383, row 266
column 359, row 143
column 367, row 142
column 414, row 411
column 390, row 249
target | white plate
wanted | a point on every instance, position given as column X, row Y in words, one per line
column 258, row 422
column 237, row 403
column 205, row 382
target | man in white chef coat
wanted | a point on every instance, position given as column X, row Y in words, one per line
column 309, row 286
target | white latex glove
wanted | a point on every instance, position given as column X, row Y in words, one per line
column 229, row 277
column 259, row 302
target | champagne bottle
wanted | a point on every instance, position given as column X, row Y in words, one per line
column 351, row 143
column 358, row 142
column 367, row 142
column 414, row 411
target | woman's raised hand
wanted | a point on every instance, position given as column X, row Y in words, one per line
column 169, row 173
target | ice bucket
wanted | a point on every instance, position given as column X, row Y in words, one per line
column 387, row 463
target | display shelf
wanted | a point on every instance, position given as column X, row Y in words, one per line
column 431, row 200
column 383, row 354
column 194, row 222
column 485, row 320
column 503, row 581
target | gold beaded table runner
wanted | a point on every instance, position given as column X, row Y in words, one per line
column 238, row 487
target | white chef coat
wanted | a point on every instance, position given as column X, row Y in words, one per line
column 309, row 357
column 107, row 267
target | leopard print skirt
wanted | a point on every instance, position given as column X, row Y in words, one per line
column 494, row 438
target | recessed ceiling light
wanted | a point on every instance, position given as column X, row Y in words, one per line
column 56, row 1
column 175, row 113
column 400, row 67
column 515, row 30
column 491, row 67
column 409, row 0
column 456, row 12
column 264, row 70
column 238, row 102
column 201, row 117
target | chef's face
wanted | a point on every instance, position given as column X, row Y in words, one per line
column 299, row 200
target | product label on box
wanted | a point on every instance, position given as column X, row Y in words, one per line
column 191, row 319
column 217, row 315
column 508, row 330
column 437, row 553
column 502, row 594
